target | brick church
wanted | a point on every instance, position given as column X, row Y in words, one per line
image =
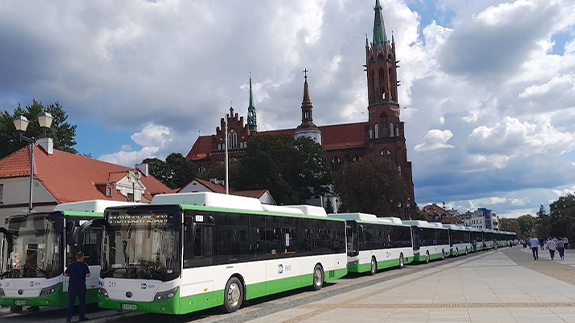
column 382, row 134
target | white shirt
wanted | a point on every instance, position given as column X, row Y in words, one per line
column 534, row 242
column 551, row 245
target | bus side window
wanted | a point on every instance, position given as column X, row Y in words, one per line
column 198, row 247
column 257, row 236
column 304, row 237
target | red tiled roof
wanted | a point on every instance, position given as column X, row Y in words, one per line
column 216, row 188
column 201, row 148
column 334, row 137
column 250, row 193
column 71, row 178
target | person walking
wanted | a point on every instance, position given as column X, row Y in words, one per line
column 566, row 242
column 78, row 271
column 534, row 247
column 561, row 248
column 551, row 246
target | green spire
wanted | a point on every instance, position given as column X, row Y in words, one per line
column 252, row 120
column 379, row 35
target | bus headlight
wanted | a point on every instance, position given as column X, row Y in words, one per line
column 50, row 290
column 162, row 296
column 102, row 292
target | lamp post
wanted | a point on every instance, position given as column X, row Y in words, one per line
column 21, row 123
column 226, row 161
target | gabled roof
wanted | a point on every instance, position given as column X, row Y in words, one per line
column 334, row 137
column 71, row 178
column 218, row 188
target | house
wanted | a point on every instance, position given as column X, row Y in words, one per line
column 436, row 213
column 213, row 185
column 61, row 177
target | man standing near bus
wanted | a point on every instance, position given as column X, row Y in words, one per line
column 78, row 271
column 534, row 247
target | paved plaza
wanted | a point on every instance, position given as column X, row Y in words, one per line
column 497, row 286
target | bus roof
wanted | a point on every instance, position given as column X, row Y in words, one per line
column 365, row 217
column 92, row 206
column 455, row 227
column 234, row 202
column 424, row 224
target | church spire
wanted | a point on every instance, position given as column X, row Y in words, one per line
column 307, row 128
column 379, row 35
column 252, row 120
column 306, row 99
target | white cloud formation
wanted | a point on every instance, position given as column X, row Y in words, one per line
column 435, row 139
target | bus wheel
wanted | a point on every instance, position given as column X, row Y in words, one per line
column 373, row 268
column 401, row 262
column 234, row 295
column 427, row 257
column 456, row 252
column 317, row 277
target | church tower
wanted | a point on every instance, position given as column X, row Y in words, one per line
column 307, row 128
column 385, row 131
column 252, row 120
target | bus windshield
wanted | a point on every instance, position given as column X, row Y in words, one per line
column 31, row 247
column 144, row 243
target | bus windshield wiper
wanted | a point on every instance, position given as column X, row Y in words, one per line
column 114, row 269
column 9, row 271
column 153, row 271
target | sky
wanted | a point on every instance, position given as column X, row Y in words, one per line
column 487, row 87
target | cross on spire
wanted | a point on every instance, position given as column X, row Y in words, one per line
column 305, row 73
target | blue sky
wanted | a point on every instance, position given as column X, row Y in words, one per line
column 488, row 84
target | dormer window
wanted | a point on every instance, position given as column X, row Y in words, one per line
column 108, row 191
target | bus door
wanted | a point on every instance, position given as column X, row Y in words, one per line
column 415, row 236
column 351, row 229
column 91, row 238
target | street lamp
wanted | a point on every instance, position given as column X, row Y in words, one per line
column 21, row 123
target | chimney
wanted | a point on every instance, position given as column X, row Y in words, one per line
column 47, row 144
column 143, row 168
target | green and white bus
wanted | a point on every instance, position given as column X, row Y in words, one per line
column 188, row 252
column 489, row 239
column 430, row 240
column 36, row 248
column 477, row 236
column 459, row 239
column 376, row 243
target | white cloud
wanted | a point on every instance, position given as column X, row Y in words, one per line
column 435, row 139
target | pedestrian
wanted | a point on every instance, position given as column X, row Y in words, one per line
column 474, row 244
column 551, row 246
column 566, row 242
column 524, row 241
column 561, row 248
column 541, row 243
column 78, row 271
column 534, row 247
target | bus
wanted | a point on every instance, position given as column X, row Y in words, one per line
column 375, row 243
column 477, row 236
column 36, row 248
column 459, row 239
column 188, row 252
column 430, row 240
column 489, row 238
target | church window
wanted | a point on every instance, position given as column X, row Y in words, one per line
column 219, row 146
column 391, row 129
column 370, row 132
column 235, row 144
column 384, row 129
column 376, row 131
column 382, row 82
column 399, row 168
column 385, row 154
column 335, row 163
column 201, row 170
column 397, row 131
column 356, row 158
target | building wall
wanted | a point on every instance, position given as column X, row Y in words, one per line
column 194, row 187
column 16, row 192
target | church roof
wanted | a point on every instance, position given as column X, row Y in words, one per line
column 334, row 137
column 379, row 34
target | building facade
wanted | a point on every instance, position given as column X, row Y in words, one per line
column 382, row 134
column 483, row 218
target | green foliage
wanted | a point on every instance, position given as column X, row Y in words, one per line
column 510, row 225
column 60, row 131
column 292, row 170
column 526, row 225
column 175, row 172
column 329, row 206
column 372, row 185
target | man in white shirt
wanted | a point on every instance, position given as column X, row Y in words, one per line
column 551, row 246
column 534, row 247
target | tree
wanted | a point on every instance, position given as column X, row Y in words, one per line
column 526, row 225
column 510, row 225
column 328, row 206
column 175, row 172
column 60, row 131
column 294, row 171
column 372, row 185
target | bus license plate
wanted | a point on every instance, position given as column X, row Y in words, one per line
column 129, row 307
column 20, row 302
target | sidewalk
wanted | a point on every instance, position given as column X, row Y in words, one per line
column 544, row 254
column 489, row 287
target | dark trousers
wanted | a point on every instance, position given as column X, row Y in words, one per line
column 81, row 294
column 561, row 252
column 552, row 253
column 535, row 253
